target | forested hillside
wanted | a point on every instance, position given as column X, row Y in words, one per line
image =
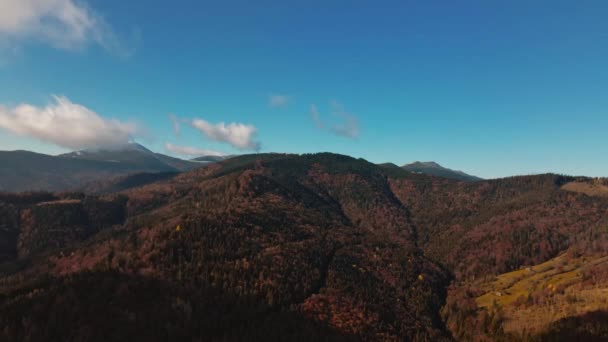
column 288, row 247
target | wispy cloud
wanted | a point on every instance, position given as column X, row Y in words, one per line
column 348, row 125
column 191, row 151
column 316, row 118
column 240, row 136
column 64, row 24
column 176, row 124
column 278, row 100
column 66, row 124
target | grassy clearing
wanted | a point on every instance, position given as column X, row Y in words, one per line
column 533, row 297
column 587, row 188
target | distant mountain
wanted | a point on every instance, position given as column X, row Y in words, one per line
column 29, row 171
column 121, row 183
column 211, row 159
column 135, row 155
column 434, row 169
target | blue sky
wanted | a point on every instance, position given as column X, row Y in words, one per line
column 492, row 88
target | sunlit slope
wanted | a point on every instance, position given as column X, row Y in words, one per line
column 534, row 297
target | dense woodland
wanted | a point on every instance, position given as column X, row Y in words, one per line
column 284, row 247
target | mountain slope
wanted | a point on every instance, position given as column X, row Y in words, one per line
column 434, row 169
column 122, row 183
column 23, row 170
column 318, row 246
column 320, row 237
column 28, row 171
column 483, row 229
column 211, row 159
column 136, row 156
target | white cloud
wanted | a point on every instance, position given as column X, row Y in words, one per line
column 277, row 100
column 191, row 151
column 65, row 24
column 238, row 135
column 66, row 124
column 348, row 125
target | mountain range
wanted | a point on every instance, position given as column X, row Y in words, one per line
column 307, row 247
column 88, row 169
column 29, row 171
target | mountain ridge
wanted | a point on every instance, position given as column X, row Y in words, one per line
column 433, row 168
column 31, row 171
